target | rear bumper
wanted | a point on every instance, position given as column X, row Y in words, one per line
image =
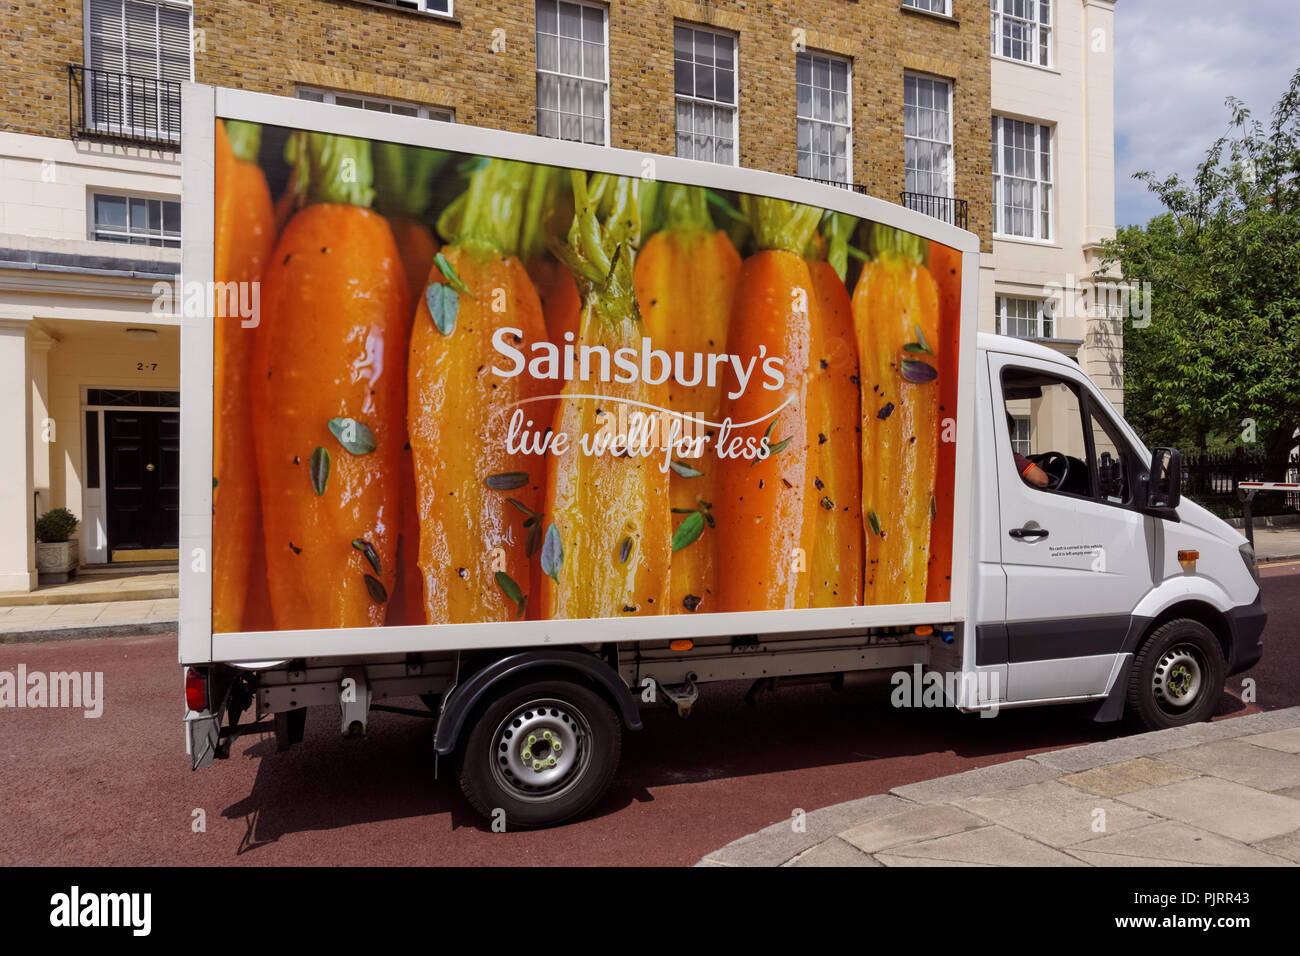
column 1246, row 623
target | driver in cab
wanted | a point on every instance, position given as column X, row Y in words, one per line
column 1031, row 473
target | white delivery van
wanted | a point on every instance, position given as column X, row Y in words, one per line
column 982, row 514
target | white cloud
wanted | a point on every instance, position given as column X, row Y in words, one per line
column 1175, row 64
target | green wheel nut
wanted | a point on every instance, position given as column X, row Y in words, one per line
column 550, row 762
column 532, row 739
column 527, row 754
column 537, row 765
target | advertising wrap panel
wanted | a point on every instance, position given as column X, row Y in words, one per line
column 485, row 390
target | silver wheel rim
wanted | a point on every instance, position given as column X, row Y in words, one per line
column 541, row 750
column 1178, row 677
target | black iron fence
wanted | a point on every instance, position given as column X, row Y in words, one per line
column 1212, row 480
column 833, row 182
column 123, row 107
column 940, row 207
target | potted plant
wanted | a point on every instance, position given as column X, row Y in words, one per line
column 56, row 551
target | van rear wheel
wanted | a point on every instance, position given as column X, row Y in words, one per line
column 1177, row 676
column 541, row 753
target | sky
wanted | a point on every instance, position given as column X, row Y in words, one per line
column 1176, row 61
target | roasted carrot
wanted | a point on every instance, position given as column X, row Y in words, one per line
column 607, row 546
column 404, row 179
column 244, row 231
column 685, row 278
column 328, row 381
column 896, row 317
column 766, row 508
column 478, row 501
column 836, row 561
column 945, row 267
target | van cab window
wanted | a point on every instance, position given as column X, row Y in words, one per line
column 1115, row 460
column 1057, row 443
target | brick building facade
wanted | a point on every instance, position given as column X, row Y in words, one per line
column 89, row 201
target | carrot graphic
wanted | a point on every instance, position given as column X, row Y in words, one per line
column 685, row 278
column 896, row 313
column 243, row 235
column 945, row 266
column 404, row 179
column 478, row 503
column 328, row 386
column 836, row 560
column 766, row 509
column 606, row 550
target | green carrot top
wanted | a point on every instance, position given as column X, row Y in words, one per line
column 886, row 240
column 600, row 246
column 779, row 224
column 245, row 139
column 836, row 230
column 330, row 169
column 404, row 178
column 548, row 212
column 488, row 216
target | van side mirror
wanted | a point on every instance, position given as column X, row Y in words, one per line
column 1162, row 485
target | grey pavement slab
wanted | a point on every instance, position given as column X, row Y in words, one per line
column 775, row 844
column 910, row 826
column 991, row 844
column 1090, row 756
column 1221, row 806
column 833, row 852
column 1287, row 846
column 1258, row 767
column 1287, row 741
column 1190, row 796
column 972, row 783
column 1170, row 843
column 1136, row 774
column 1055, row 814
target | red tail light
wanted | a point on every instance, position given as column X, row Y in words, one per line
column 196, row 689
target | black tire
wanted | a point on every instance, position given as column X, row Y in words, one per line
column 498, row 764
column 1177, row 676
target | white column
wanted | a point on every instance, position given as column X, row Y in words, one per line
column 1102, row 355
column 17, row 501
column 44, row 435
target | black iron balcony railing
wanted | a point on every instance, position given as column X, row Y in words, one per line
column 123, row 107
column 832, row 182
column 940, row 207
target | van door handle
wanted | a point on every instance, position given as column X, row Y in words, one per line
column 1028, row 532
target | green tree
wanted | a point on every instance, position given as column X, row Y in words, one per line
column 1222, row 349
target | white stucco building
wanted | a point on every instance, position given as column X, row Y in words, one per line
column 1052, row 139
column 89, row 378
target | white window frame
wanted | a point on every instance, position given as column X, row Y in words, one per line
column 1041, row 34
column 537, row 70
column 423, row 6
column 315, row 95
column 93, row 231
column 847, row 126
column 1044, row 134
column 734, row 105
column 1022, row 439
column 949, row 175
column 928, row 6
column 1043, row 319
column 88, row 107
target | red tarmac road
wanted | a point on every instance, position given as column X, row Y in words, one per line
column 118, row 789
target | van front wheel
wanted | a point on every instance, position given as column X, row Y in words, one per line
column 540, row 754
column 1177, row 676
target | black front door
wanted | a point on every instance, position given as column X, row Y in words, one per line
column 142, row 458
